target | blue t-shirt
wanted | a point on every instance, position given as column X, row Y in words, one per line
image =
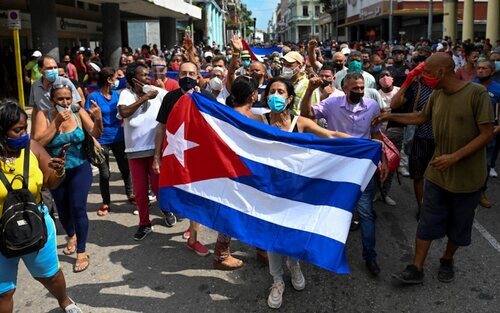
column 494, row 93
column 112, row 128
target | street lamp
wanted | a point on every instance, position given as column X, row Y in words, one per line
column 429, row 22
column 390, row 21
column 254, row 28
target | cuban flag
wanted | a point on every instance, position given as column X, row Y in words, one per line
column 289, row 193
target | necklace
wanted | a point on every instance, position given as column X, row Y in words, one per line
column 9, row 162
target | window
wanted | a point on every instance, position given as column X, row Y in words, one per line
column 80, row 5
column 305, row 10
column 70, row 3
column 316, row 29
column 93, row 7
column 316, row 11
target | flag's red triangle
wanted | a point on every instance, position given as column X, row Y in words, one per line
column 247, row 47
column 209, row 157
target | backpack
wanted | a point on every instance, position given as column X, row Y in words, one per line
column 22, row 224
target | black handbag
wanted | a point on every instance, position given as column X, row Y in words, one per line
column 92, row 148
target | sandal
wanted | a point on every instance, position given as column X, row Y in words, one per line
column 103, row 210
column 70, row 247
column 81, row 264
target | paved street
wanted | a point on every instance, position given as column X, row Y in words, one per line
column 160, row 274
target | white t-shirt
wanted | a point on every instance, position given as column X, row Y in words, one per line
column 140, row 127
column 387, row 97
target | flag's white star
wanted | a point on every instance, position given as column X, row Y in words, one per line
column 177, row 144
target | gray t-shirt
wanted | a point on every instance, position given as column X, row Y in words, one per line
column 40, row 97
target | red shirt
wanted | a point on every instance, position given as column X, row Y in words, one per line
column 170, row 84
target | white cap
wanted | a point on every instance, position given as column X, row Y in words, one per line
column 95, row 67
column 36, row 54
column 208, row 54
column 345, row 51
column 81, row 49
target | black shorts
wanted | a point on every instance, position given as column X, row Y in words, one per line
column 421, row 154
column 447, row 213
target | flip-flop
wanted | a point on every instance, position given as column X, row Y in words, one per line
column 103, row 210
column 69, row 249
column 77, row 267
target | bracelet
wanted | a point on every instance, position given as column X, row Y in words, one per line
column 60, row 175
column 235, row 54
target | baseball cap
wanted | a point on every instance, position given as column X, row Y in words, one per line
column 294, row 56
column 345, row 51
column 36, row 54
column 245, row 54
column 208, row 54
column 81, row 49
column 398, row 48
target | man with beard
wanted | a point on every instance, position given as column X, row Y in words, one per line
column 399, row 69
column 484, row 74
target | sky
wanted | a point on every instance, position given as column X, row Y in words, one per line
column 262, row 10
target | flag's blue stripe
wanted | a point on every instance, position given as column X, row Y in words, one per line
column 265, row 51
column 315, row 249
column 283, row 184
column 351, row 147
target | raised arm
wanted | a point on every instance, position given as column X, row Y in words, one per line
column 311, row 54
column 42, row 130
column 306, row 109
column 237, row 46
column 128, row 110
column 92, row 125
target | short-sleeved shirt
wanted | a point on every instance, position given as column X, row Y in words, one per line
column 40, row 97
column 455, row 120
column 494, row 93
column 170, row 84
column 354, row 120
column 112, row 129
column 300, row 88
column 368, row 78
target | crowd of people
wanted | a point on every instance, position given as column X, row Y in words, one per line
column 437, row 102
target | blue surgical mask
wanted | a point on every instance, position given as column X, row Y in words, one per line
column 229, row 57
column 245, row 63
column 51, row 75
column 60, row 108
column 276, row 103
column 116, row 84
column 355, row 66
column 377, row 68
column 497, row 66
column 18, row 143
column 122, row 83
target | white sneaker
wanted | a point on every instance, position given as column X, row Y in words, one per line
column 493, row 173
column 276, row 295
column 389, row 201
column 95, row 170
column 403, row 171
column 72, row 308
column 298, row 280
column 136, row 212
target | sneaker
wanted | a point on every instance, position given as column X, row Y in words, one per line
column 404, row 172
column 95, row 170
column 136, row 212
column 484, row 202
column 411, row 275
column 354, row 224
column 389, row 201
column 186, row 234
column 198, row 248
column 72, row 308
column 142, row 232
column 276, row 295
column 298, row 280
column 151, row 196
column 446, row 273
column 377, row 197
column 170, row 219
column 493, row 173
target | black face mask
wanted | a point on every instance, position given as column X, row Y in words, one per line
column 338, row 66
column 187, row 83
column 419, row 59
column 355, row 97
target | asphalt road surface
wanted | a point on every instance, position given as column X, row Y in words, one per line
column 159, row 274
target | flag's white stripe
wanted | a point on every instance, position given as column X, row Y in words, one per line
column 324, row 220
column 294, row 159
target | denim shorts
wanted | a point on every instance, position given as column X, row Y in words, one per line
column 41, row 264
column 447, row 213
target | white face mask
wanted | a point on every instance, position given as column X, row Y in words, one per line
column 215, row 84
column 288, row 72
column 147, row 88
column 60, row 108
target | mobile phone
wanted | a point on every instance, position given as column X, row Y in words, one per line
column 62, row 154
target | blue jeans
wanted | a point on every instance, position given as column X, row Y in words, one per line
column 367, row 221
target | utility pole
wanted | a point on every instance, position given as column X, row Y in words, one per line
column 254, row 28
column 429, row 22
